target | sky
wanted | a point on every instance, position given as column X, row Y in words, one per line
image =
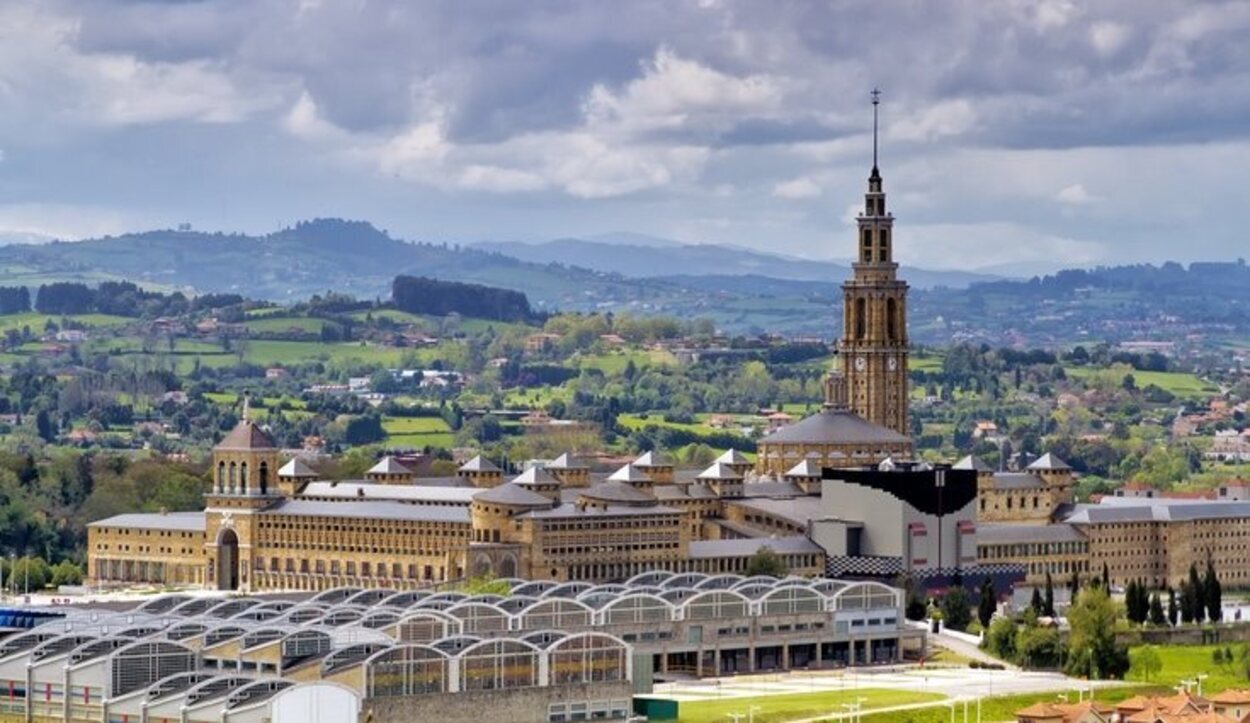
column 1015, row 134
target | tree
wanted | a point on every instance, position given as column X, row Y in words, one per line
column 766, row 561
column 1036, row 604
column 1187, row 603
column 1000, row 638
column 1145, row 661
column 1106, row 578
column 66, row 573
column 987, row 603
column 1172, row 611
column 1038, row 647
column 29, row 573
column 1074, row 585
column 1156, row 611
column 1092, row 648
column 1197, row 605
column 1048, row 598
column 956, row 610
column 1212, row 594
column 1130, row 601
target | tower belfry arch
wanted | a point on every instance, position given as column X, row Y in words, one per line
column 872, row 377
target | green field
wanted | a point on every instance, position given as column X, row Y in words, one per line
column 282, row 324
column 777, row 708
column 1003, row 708
column 615, row 362
column 1183, row 662
column 37, row 321
column 418, row 432
column 1182, row 384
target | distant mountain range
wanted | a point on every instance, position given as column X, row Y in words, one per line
column 638, row 256
column 743, row 291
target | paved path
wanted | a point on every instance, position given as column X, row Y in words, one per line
column 968, row 650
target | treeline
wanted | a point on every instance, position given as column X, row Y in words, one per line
column 420, row 295
column 14, row 299
column 119, row 298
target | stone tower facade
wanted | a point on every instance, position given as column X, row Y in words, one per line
column 245, row 481
column 873, row 349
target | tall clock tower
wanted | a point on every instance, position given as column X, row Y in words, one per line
column 873, row 348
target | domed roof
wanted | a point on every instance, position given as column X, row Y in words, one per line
column 246, row 435
column 835, row 426
column 511, row 494
column 614, row 492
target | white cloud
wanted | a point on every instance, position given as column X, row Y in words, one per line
column 500, row 180
column 797, row 188
column 1108, row 37
column 1074, row 195
column 946, row 118
column 304, row 121
column 59, row 221
column 971, row 246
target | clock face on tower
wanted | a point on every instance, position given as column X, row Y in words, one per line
column 860, row 363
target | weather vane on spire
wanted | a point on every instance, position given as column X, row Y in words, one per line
column 876, row 100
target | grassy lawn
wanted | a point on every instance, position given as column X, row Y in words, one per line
column 1182, row 662
column 636, row 421
column 536, row 396
column 1003, row 708
column 263, row 351
column 418, row 432
column 1182, row 384
column 278, row 325
column 777, row 708
column 931, row 363
column 36, row 321
column 615, row 362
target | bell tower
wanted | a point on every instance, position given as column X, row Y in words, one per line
column 873, row 349
column 244, row 481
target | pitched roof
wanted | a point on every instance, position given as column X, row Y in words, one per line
column 479, row 464
column 732, row 456
column 720, row 471
column 835, row 426
column 972, row 462
column 388, row 465
column 246, row 435
column 1049, row 461
column 652, row 459
column 536, row 477
column 629, row 475
column 297, row 468
column 565, row 461
column 373, row 509
column 806, row 468
column 180, row 521
column 512, row 494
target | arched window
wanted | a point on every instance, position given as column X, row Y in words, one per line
column 264, row 478
column 883, row 246
column 243, row 478
column 221, row 476
column 233, row 476
column 861, row 318
column 891, row 320
column 866, row 253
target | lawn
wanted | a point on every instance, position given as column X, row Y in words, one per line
column 1183, row 662
column 418, row 432
column 284, row 324
column 266, row 352
column 1003, row 708
column 615, row 362
column 1182, row 384
column 777, row 708
column 36, row 321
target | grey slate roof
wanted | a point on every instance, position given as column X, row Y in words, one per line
column 1017, row 481
column 629, row 475
column 972, row 462
column 512, row 494
column 797, row 510
column 720, row 471
column 616, row 491
column 771, row 489
column 684, row 492
column 297, row 468
column 479, row 464
column 565, row 461
column 732, row 456
column 807, row 468
column 572, row 511
column 176, row 521
column 835, row 426
column 1126, row 509
column 388, row 465
column 373, row 510
column 652, row 459
column 1017, row 534
column 1049, row 461
column 536, row 477
column 360, row 489
column 748, row 547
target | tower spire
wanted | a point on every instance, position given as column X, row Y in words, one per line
column 876, row 101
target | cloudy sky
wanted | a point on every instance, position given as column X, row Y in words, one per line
column 1042, row 133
